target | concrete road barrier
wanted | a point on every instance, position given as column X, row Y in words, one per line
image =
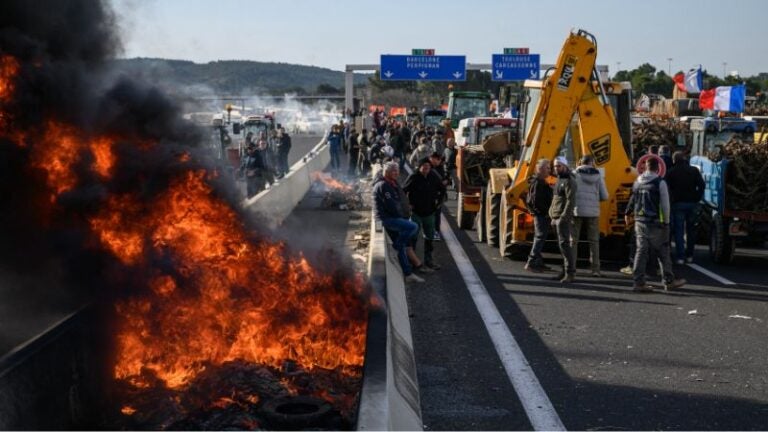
column 390, row 400
column 277, row 202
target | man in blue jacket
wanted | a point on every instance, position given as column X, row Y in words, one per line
column 388, row 208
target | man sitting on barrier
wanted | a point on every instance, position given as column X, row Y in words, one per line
column 388, row 208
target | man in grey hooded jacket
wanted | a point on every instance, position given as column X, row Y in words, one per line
column 590, row 191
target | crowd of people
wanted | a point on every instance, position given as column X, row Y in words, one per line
column 661, row 209
column 265, row 160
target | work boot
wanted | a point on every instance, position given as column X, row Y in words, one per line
column 413, row 277
column 568, row 278
column 677, row 283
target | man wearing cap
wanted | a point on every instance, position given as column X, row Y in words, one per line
column 423, row 188
column 649, row 205
column 561, row 213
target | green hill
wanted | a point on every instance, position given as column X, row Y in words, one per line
column 235, row 76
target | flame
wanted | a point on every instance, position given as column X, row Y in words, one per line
column 128, row 410
column 103, row 158
column 61, row 148
column 331, row 182
column 240, row 300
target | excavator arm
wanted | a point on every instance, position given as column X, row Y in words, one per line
column 562, row 92
column 571, row 97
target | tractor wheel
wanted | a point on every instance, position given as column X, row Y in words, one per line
column 721, row 244
column 491, row 212
column 505, row 228
column 480, row 225
column 464, row 218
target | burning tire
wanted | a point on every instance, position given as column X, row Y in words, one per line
column 296, row 412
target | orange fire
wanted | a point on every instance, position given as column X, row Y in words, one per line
column 228, row 298
column 61, row 147
column 9, row 67
column 212, row 291
column 330, row 182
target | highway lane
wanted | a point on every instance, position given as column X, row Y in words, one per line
column 607, row 358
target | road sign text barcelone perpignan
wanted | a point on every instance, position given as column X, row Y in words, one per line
column 423, row 68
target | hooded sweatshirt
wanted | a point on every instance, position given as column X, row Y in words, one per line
column 650, row 199
column 590, row 191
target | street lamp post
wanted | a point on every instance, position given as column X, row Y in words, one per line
column 669, row 70
column 618, row 67
column 724, row 65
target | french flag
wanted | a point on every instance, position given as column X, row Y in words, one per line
column 690, row 82
column 729, row 98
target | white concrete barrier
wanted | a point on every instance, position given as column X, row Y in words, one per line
column 397, row 405
column 277, row 202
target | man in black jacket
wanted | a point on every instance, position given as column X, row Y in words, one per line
column 686, row 189
column 424, row 189
column 538, row 201
column 283, row 148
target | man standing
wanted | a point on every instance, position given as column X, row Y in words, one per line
column 252, row 168
column 354, row 151
column 538, row 201
column 283, row 147
column 686, row 189
column 424, row 191
column 334, row 142
column 590, row 191
column 561, row 212
column 388, row 209
column 651, row 209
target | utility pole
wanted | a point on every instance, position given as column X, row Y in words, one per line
column 669, row 70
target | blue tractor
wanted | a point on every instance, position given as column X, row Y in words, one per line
column 727, row 222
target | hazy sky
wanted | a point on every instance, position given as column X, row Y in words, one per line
column 334, row 33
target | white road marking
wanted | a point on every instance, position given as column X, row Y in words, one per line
column 711, row 274
column 538, row 407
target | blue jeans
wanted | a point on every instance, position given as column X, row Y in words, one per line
column 405, row 230
column 684, row 223
column 541, row 224
column 335, row 157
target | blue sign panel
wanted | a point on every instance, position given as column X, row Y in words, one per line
column 515, row 67
column 423, row 68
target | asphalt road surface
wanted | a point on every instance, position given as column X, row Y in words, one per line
column 607, row 358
